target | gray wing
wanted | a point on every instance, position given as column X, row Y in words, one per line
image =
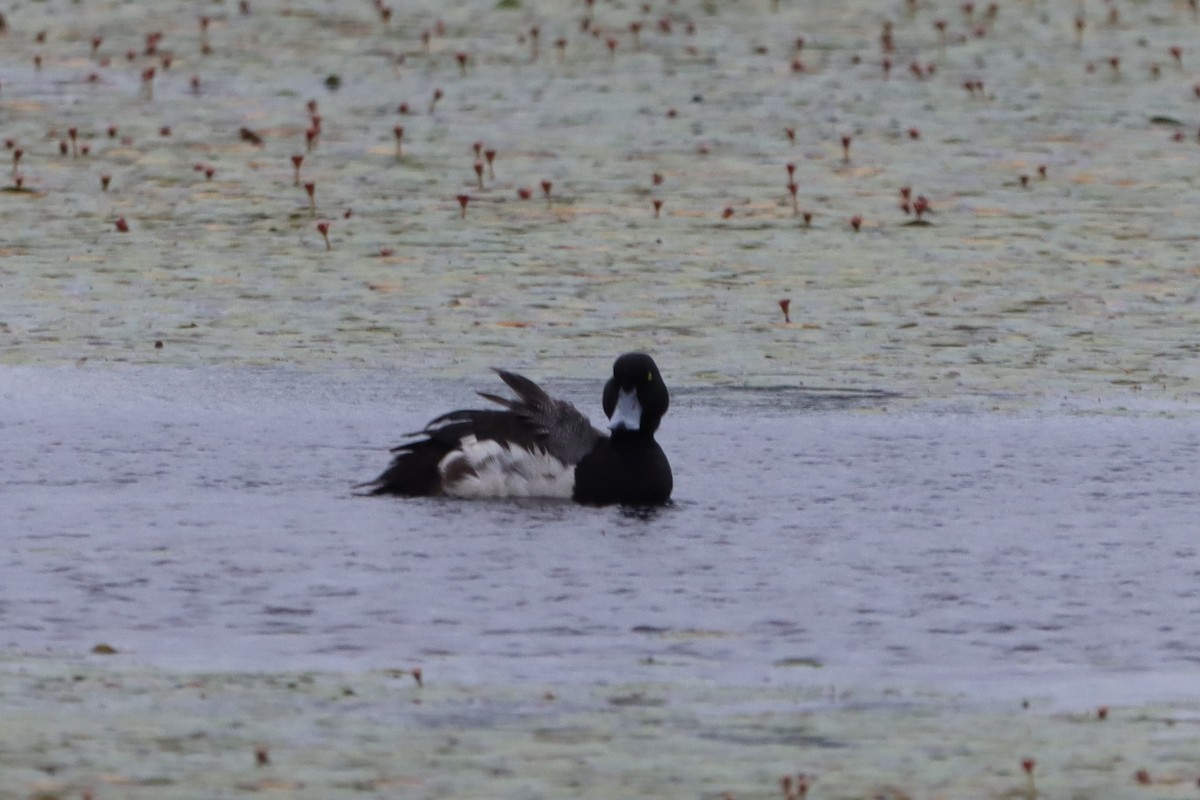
column 561, row 428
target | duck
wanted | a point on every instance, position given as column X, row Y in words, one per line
column 536, row 445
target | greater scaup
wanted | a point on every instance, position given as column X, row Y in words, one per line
column 539, row 446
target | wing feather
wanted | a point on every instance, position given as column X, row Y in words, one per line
column 533, row 420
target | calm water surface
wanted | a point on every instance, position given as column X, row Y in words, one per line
column 204, row 519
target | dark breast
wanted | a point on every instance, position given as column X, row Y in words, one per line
column 625, row 470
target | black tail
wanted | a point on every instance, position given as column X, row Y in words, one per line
column 413, row 472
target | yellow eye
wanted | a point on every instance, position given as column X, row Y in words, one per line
column 649, row 377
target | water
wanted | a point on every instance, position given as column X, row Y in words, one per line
column 204, row 519
column 1021, row 517
column 993, row 498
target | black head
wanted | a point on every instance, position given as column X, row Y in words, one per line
column 635, row 397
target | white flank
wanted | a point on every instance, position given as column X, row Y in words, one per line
column 501, row 471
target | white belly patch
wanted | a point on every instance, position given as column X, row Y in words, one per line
column 489, row 469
